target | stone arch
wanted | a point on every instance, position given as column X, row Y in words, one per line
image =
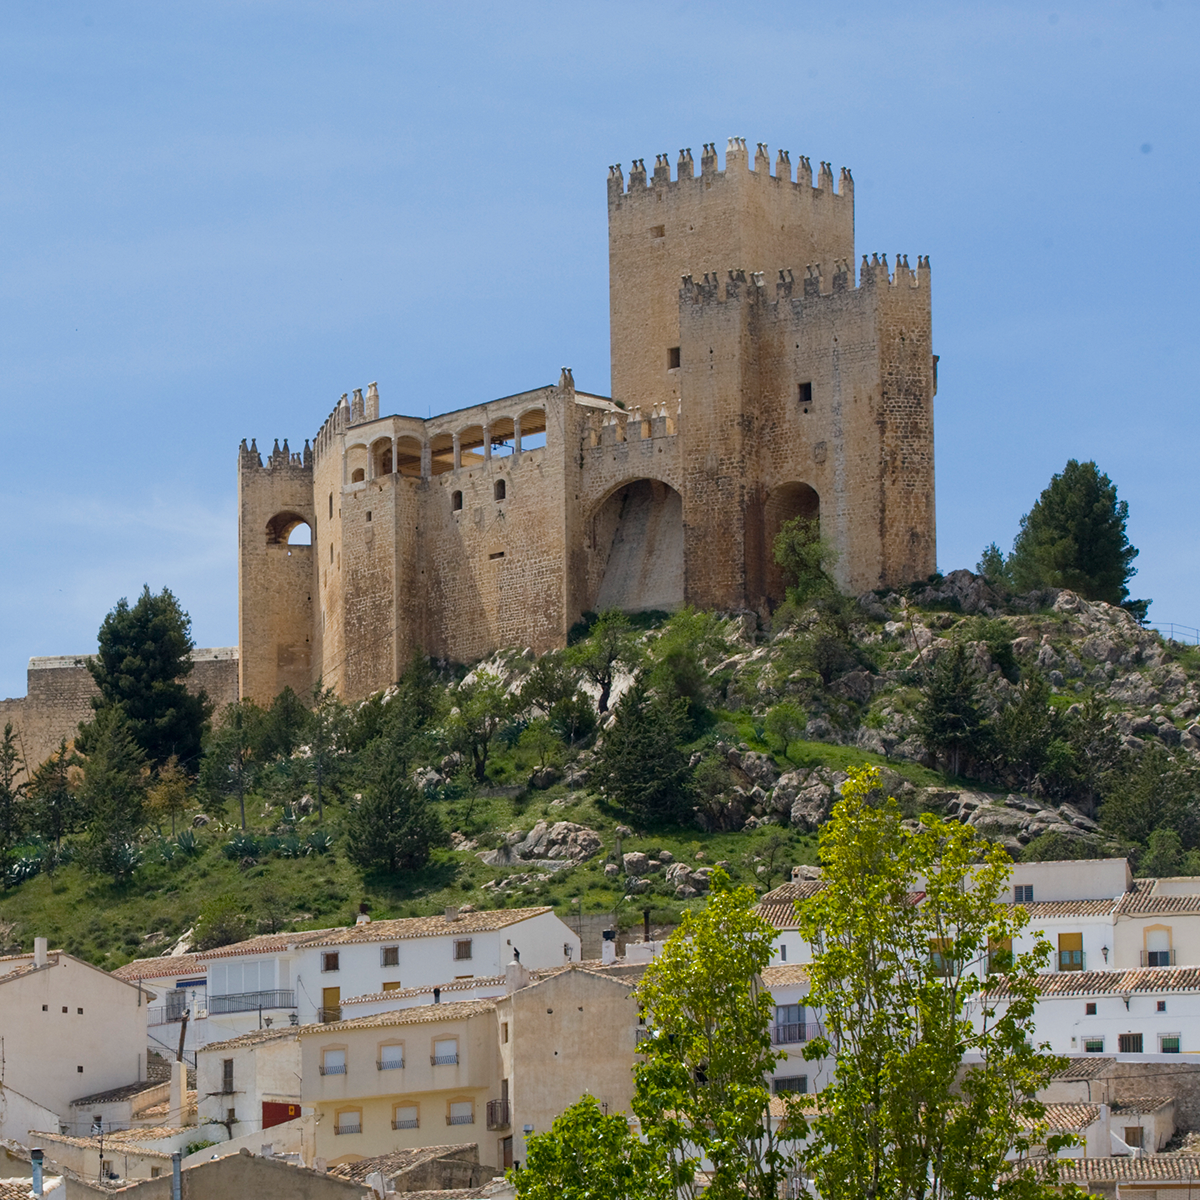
column 408, row 456
column 502, row 436
column 381, row 457
column 783, row 502
column 281, row 526
column 532, row 426
column 635, row 548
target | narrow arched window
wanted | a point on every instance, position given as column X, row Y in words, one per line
column 499, row 489
column 358, row 475
column 456, row 501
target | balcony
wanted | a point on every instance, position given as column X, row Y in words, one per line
column 461, row 1119
column 332, row 1069
column 1158, row 958
column 1070, row 960
column 413, row 1123
column 251, row 1001
column 348, row 1128
column 498, row 1115
column 443, row 1060
column 390, row 1064
column 328, row 1015
column 794, row 1033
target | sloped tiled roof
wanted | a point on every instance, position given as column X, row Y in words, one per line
column 126, row 1092
column 253, row 1038
column 1135, row 904
column 785, row 974
column 419, row 1015
column 405, row 928
column 455, row 985
column 1152, row 980
column 1071, row 1118
column 1042, row 909
column 789, row 893
column 165, row 966
column 1169, row 1167
column 396, row 1161
column 267, row 943
column 1141, row 1104
column 1090, row 1066
column 126, row 1142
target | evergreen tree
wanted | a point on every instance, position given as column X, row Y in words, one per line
column 54, row 803
column 1155, row 790
column 608, row 647
column 113, row 795
column 1029, row 741
column 1074, row 537
column 229, row 767
column 393, row 827
column 482, row 708
column 168, row 796
column 11, row 793
column 806, row 559
column 143, row 658
column 950, row 721
column 640, row 764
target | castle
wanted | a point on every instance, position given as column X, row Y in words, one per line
column 754, row 379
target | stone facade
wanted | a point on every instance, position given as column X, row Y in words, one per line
column 754, row 378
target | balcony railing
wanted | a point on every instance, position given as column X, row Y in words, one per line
column 443, row 1060
column 640, row 1035
column 390, row 1064
column 348, row 1128
column 412, row 1123
column 794, row 1032
column 332, row 1068
column 250, row 1001
column 1158, row 958
column 327, row 1015
column 1071, row 960
column 461, row 1119
column 498, row 1116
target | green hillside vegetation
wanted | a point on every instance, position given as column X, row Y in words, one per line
column 650, row 750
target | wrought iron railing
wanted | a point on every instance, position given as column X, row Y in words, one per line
column 498, row 1116
column 348, row 1128
column 461, row 1119
column 250, row 1001
column 791, row 1033
column 411, row 1123
column 443, row 1060
column 333, row 1068
column 390, row 1064
column 1158, row 958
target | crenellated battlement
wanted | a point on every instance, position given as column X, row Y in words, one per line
column 281, row 457
column 737, row 165
column 613, row 426
column 874, row 273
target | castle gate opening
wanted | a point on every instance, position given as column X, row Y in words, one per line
column 783, row 503
column 636, row 541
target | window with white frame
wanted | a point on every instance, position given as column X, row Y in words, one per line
column 406, row 1116
column 461, row 1112
column 445, row 1052
column 349, row 1120
column 333, row 1062
column 391, row 1056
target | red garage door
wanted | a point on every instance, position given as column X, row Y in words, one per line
column 275, row 1113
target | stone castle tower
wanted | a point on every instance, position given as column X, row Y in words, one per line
column 754, row 379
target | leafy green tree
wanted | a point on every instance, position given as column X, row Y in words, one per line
column 992, row 567
column 784, row 724
column 904, row 995
column 393, row 827
column 281, row 729
column 1074, row 537
column 12, row 791
column 325, row 766
column 143, row 658
column 822, row 644
column 552, row 688
column 228, row 769
column 589, row 1155
column 806, row 559
column 678, row 658
column 54, row 808
column 168, row 795
column 1164, row 854
column 223, row 920
column 113, row 792
column 950, row 720
column 1155, row 790
column 608, row 647
column 482, row 708
column 1052, row 846
column 640, row 764
column 701, row 1092
column 540, row 738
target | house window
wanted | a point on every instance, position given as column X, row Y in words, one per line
column 460, row 1112
column 789, row 1024
column 406, row 1116
column 391, row 1057
column 1162, row 1006
column 504, row 1032
column 1158, row 948
column 805, row 395
column 499, row 489
column 393, row 986
column 445, row 1053
column 227, row 1076
column 940, row 956
column 783, row 953
column 1168, row 1043
column 791, row 1083
column 1089, row 1009
column 1070, row 952
column 1129, row 1043
column 333, row 1062
column 462, row 950
column 1133, row 1137
column 349, row 1120
column 329, row 961
column 456, row 501
column 155, row 1172
column 1093, row 1045
column 673, row 359
column 999, row 956
column 1023, row 893
column 389, row 956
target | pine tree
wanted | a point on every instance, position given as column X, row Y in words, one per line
column 11, row 793
column 113, row 794
column 950, row 720
column 54, row 803
column 143, row 657
column 393, row 827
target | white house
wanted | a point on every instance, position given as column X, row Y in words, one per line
column 180, row 986
column 67, row 1029
column 308, row 974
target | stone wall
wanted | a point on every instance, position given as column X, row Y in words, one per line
column 59, row 691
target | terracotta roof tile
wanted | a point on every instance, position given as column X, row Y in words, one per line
column 267, row 943
column 418, row 1015
column 1071, row 1118
column 438, row 926
column 1141, row 1104
column 1134, row 904
column 1149, row 980
column 254, row 1038
column 457, row 985
column 1041, row 909
column 87, row 1143
column 126, row 1092
column 397, row 1161
column 1088, row 1067
column 785, row 974
column 789, row 893
column 159, row 968
column 1170, row 1167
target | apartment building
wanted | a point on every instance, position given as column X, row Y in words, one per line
column 250, row 1083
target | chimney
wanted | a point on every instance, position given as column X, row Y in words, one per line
column 451, row 912
column 363, row 918
column 515, row 977
column 645, row 924
column 176, row 1181
column 608, row 946
column 39, row 951
column 35, row 1161
column 178, row 1109
column 437, row 995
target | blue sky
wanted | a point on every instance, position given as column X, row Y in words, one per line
column 219, row 217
